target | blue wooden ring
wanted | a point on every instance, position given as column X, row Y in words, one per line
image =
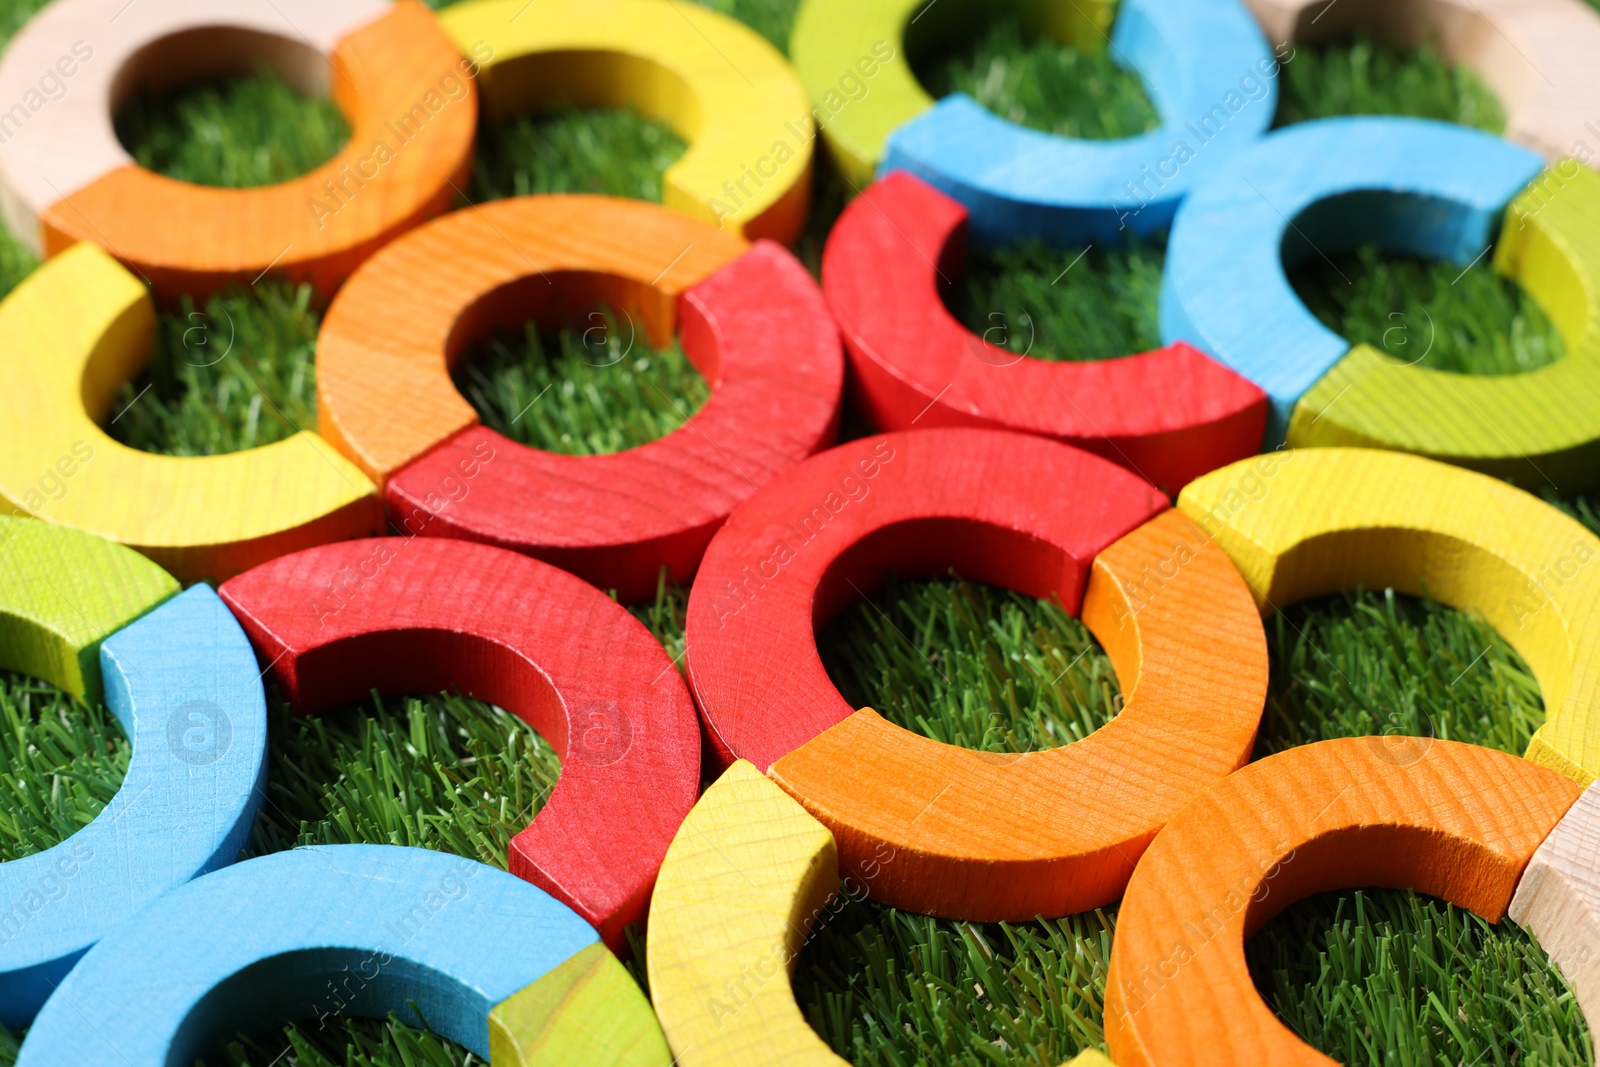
column 184, row 684
column 351, row 930
column 1408, row 185
column 1213, row 79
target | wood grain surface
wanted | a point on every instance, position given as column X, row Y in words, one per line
column 422, row 614
column 1169, row 415
column 1314, row 521
column 75, row 331
column 587, row 1010
column 720, row 85
column 1558, row 900
column 1006, row 508
column 1443, row 818
column 748, row 876
column 942, row 830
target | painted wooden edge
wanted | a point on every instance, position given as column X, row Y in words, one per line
column 409, row 97
column 586, row 1010
column 1558, row 900
column 63, row 592
column 1006, row 508
column 748, row 877
column 759, row 332
column 78, row 328
column 372, row 930
column 423, row 614
column 718, row 83
column 387, row 345
column 1213, row 78
column 1090, row 1058
column 941, row 830
column 1540, row 427
column 1169, row 415
column 1443, row 818
column 184, row 684
column 1537, row 55
column 1314, row 521
column 1411, row 185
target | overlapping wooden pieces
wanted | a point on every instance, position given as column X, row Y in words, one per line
column 63, row 592
column 587, row 1010
column 184, row 684
column 416, row 615
column 759, row 332
column 1558, row 899
column 748, row 875
column 1541, row 427
column 1408, row 185
column 943, row 830
column 384, row 395
column 852, row 58
column 1211, row 76
column 1011, row 509
column 408, row 95
column 352, row 930
column 1537, row 55
column 1170, row 415
column 720, row 85
column 75, row 331
column 1314, row 521
column 1443, row 818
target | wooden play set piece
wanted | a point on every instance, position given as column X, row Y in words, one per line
column 63, row 592
column 1539, row 427
column 75, row 331
column 852, row 58
column 1168, row 415
column 361, row 930
column 422, row 614
column 587, row 1010
column 1410, row 185
column 720, row 85
column 1558, row 900
column 1537, row 55
column 408, row 95
column 749, row 317
column 1324, row 519
column 1209, row 72
column 1445, row 819
column 183, row 683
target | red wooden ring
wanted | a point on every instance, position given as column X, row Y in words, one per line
column 1170, row 415
column 410, row 615
column 1015, row 510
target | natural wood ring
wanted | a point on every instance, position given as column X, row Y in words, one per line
column 417, row 615
column 1168, row 415
column 749, row 317
column 1443, row 818
column 408, row 95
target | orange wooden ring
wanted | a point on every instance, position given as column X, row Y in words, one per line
column 1440, row 817
column 410, row 98
column 988, row 836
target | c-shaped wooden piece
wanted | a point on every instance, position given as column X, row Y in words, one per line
column 419, row 614
column 1325, row 519
column 1443, row 818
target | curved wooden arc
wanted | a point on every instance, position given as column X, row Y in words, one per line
column 417, row 615
column 980, row 835
column 1443, row 818
column 1558, row 900
column 78, row 328
column 1324, row 519
column 408, row 95
column 586, row 1010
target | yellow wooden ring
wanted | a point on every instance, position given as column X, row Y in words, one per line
column 1325, row 519
column 73, row 332
column 717, row 83
column 1541, row 426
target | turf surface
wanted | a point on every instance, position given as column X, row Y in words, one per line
column 1371, row 978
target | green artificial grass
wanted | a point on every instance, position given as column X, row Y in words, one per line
column 1364, row 77
column 1372, row 977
